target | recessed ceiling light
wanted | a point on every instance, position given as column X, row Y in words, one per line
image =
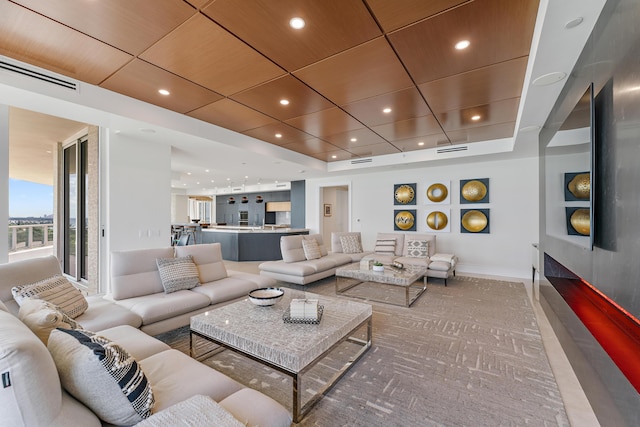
column 334, row 157
column 212, row 180
column 228, row 179
column 284, row 101
column 462, row 44
column 278, row 135
column 550, row 78
column 188, row 173
column 475, row 118
column 206, row 170
column 297, row 23
column 574, row 23
column 246, row 176
column 353, row 139
column 163, row 92
column 420, row 143
column 386, row 110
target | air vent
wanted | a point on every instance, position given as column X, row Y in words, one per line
column 237, row 189
column 360, row 161
column 452, row 149
column 48, row 78
column 281, row 185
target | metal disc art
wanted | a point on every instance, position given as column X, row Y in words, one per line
column 437, row 192
column 474, row 191
column 437, row 220
column 405, row 194
column 404, row 220
column 474, row 221
column 580, row 186
column 581, row 222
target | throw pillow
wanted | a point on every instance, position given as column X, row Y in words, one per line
column 311, row 248
column 178, row 273
column 417, row 248
column 350, row 244
column 57, row 290
column 42, row 317
column 102, row 375
column 385, row 246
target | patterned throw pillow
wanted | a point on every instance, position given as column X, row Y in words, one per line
column 385, row 246
column 57, row 290
column 311, row 248
column 102, row 375
column 417, row 248
column 178, row 273
column 351, row 244
column 42, row 317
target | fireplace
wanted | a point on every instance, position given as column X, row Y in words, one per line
column 616, row 330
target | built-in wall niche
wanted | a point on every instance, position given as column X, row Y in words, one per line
column 569, row 176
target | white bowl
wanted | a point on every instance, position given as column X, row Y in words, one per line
column 265, row 296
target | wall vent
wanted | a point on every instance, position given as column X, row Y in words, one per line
column 452, row 149
column 360, row 161
column 237, row 189
column 281, row 185
column 48, row 78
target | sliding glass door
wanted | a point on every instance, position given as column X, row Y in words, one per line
column 75, row 238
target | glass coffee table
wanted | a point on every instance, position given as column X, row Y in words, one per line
column 261, row 334
column 407, row 279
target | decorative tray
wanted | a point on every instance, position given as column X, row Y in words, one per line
column 286, row 316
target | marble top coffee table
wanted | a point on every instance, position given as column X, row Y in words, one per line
column 261, row 334
column 406, row 279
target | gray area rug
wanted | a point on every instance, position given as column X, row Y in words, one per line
column 469, row 354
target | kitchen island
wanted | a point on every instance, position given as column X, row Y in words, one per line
column 241, row 243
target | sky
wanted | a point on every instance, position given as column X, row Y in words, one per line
column 29, row 199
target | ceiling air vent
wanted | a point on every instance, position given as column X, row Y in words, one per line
column 360, row 161
column 281, row 185
column 452, row 149
column 237, row 189
column 48, row 78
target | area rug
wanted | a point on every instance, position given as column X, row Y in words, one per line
column 468, row 354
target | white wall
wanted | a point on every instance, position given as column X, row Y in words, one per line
column 179, row 208
column 4, row 183
column 138, row 193
column 513, row 191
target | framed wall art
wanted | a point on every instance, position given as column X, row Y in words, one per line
column 577, row 186
column 404, row 220
column 404, row 194
column 474, row 190
column 474, row 221
column 328, row 209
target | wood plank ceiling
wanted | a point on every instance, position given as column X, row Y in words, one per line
column 230, row 62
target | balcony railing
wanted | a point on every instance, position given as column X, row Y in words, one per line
column 30, row 236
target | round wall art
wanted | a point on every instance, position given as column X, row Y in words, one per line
column 405, row 220
column 473, row 191
column 437, row 192
column 474, row 220
column 437, row 220
column 405, row 194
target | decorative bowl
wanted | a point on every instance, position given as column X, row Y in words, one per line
column 265, row 296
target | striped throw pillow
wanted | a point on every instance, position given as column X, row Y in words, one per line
column 385, row 246
column 58, row 291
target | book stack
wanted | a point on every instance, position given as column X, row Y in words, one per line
column 304, row 309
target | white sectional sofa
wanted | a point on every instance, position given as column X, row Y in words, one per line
column 298, row 267
column 41, row 385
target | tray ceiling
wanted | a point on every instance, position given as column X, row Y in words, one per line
column 230, row 63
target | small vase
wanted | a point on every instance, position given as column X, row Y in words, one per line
column 378, row 268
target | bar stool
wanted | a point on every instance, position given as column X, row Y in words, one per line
column 176, row 232
column 190, row 230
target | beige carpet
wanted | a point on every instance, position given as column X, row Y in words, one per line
column 469, row 354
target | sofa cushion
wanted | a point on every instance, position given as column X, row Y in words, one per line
column 263, row 411
column 104, row 313
column 42, row 317
column 351, row 244
column 138, row 344
column 176, row 377
column 291, row 248
column 160, row 306
column 102, row 375
column 208, row 259
column 311, row 249
column 57, row 290
column 439, row 265
column 225, row 289
column 178, row 273
column 317, row 238
column 135, row 272
column 417, row 248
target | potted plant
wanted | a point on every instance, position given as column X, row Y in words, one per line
column 377, row 266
